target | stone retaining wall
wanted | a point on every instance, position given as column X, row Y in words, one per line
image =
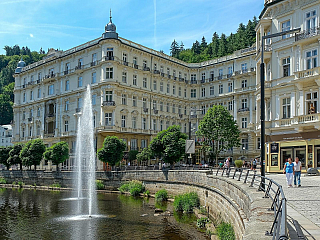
column 233, row 201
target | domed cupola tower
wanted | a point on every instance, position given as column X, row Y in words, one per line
column 110, row 30
column 21, row 64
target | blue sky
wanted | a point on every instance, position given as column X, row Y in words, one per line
column 153, row 23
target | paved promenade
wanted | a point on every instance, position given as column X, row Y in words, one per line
column 303, row 203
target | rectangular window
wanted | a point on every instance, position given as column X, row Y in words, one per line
column 109, row 73
column 220, row 88
column 51, row 89
column 66, row 105
column 161, row 125
column 144, row 123
column 94, row 58
column 193, row 78
column 161, row 106
column 39, row 92
column 38, row 112
column 94, row 99
column 144, row 143
column 124, row 99
column 31, row 95
column 154, row 124
column 173, row 89
column 203, row 77
column 244, row 83
column 124, row 77
column 173, row 108
column 93, row 77
column 286, row 108
column 286, row 67
column 220, row 73
column 79, row 103
column 244, row 103
column 167, row 124
column 230, row 86
column 144, row 82
column 168, row 88
column 133, row 145
column 108, row 96
column 134, row 80
column 134, row 101
column 80, row 63
column 80, row 82
column 193, row 93
column 244, row 122
column 312, row 59
column 185, row 92
column 154, row 104
column 124, row 57
column 161, row 86
column 144, row 102
column 168, row 71
column 66, row 126
column 168, row 107
column 285, row 26
column 123, row 121
column 108, row 119
column 211, row 90
column 230, row 105
column 311, row 23
column 258, row 143
column 134, row 61
column 154, row 85
column 23, row 115
column 67, row 86
column 312, row 102
column 134, row 122
column 203, row 92
column 230, row 71
column 244, row 143
column 38, row 130
column 244, row 68
column 144, row 64
column 179, row 91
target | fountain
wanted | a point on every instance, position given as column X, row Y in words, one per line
column 84, row 176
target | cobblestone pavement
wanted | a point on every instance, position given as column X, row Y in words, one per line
column 305, row 199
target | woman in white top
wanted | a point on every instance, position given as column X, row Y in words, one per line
column 297, row 172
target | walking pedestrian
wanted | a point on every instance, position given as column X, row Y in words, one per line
column 297, row 172
column 254, row 164
column 227, row 163
column 289, row 171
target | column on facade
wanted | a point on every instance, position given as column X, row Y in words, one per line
column 277, row 104
column 235, row 107
column 43, row 121
column 301, row 103
column 293, row 104
column 250, row 108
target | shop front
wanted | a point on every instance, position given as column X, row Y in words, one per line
column 304, row 145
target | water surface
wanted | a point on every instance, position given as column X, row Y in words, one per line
column 36, row 214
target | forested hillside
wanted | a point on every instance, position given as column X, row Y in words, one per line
column 219, row 46
column 8, row 64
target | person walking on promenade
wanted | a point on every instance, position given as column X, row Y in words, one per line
column 289, row 171
column 297, row 172
column 227, row 163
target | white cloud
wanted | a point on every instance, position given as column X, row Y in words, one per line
column 31, row 35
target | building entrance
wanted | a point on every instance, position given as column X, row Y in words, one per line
column 285, row 154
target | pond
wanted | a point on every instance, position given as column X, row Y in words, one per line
column 36, row 214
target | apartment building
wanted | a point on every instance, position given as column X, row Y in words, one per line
column 137, row 91
column 6, row 135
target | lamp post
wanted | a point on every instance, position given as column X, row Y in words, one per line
column 262, row 100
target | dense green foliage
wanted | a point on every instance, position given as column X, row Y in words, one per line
column 169, row 144
column 32, row 152
column 4, row 155
column 225, row 231
column 133, row 187
column 8, row 64
column 132, row 155
column 99, row 184
column 57, row 153
column 219, row 129
column 238, row 163
column 14, row 155
column 161, row 195
column 145, row 155
column 112, row 150
column 220, row 45
column 186, row 202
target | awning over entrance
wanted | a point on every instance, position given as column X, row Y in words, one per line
column 294, row 136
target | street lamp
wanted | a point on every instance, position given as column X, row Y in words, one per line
column 243, row 148
column 262, row 101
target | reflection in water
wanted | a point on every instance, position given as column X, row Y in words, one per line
column 35, row 214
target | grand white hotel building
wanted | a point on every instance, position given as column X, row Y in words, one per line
column 138, row 91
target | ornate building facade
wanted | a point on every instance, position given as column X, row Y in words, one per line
column 137, row 91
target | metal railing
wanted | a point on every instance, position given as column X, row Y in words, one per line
column 271, row 190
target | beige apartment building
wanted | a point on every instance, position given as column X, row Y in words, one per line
column 137, row 91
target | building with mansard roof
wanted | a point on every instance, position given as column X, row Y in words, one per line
column 138, row 91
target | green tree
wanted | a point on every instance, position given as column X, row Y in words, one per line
column 112, row 150
column 196, row 47
column 14, row 155
column 174, row 49
column 132, row 155
column 169, row 144
column 215, row 45
column 32, row 152
column 222, row 51
column 6, row 111
column 145, row 155
column 204, row 44
column 4, row 155
column 219, row 129
column 57, row 153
